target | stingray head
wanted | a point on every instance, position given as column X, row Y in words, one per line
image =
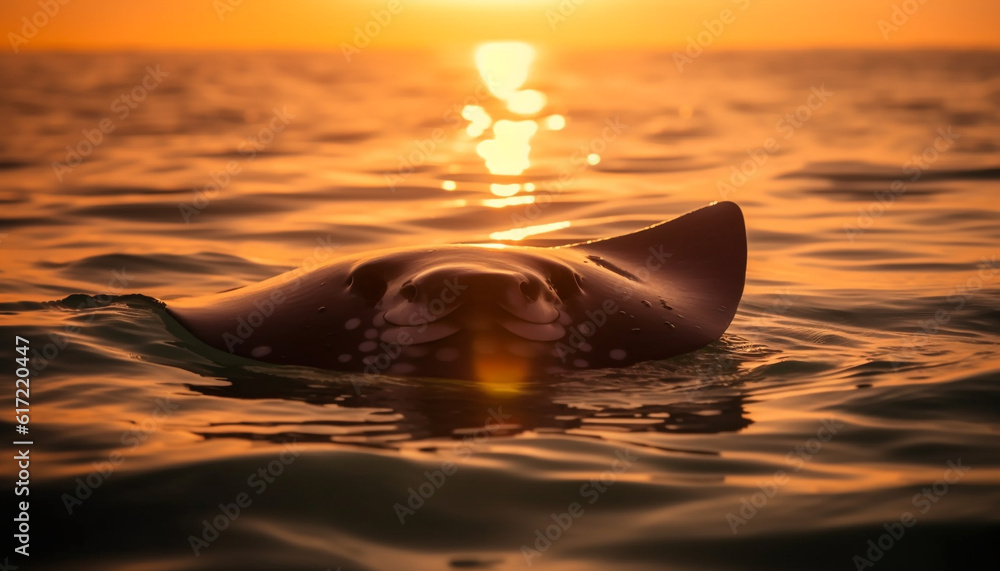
column 435, row 296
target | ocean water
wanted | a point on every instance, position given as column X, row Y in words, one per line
column 848, row 419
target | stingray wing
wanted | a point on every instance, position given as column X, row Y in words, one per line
column 297, row 318
column 698, row 259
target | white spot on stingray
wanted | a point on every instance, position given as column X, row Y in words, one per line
column 447, row 355
column 261, row 351
column 344, row 358
column 586, row 347
column 371, row 333
column 378, row 320
column 580, row 363
column 617, row 354
column 367, row 346
column 369, row 359
column 403, row 368
column 352, row 323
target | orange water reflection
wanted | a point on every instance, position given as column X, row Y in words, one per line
column 522, row 233
column 504, row 68
column 507, row 152
column 854, row 307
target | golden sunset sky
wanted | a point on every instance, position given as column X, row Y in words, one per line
column 327, row 24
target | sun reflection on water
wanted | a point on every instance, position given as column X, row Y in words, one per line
column 509, row 201
column 507, row 153
column 522, row 233
column 505, row 146
column 505, row 189
column 555, row 122
column 526, row 102
column 504, row 68
column 479, row 120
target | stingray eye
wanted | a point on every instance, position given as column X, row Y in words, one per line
column 531, row 289
column 408, row 291
column 368, row 284
column 567, row 283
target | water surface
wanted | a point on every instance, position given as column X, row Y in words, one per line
column 861, row 367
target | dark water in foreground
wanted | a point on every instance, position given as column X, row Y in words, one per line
column 860, row 374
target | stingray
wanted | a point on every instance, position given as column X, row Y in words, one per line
column 489, row 311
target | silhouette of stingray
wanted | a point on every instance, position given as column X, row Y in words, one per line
column 490, row 312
